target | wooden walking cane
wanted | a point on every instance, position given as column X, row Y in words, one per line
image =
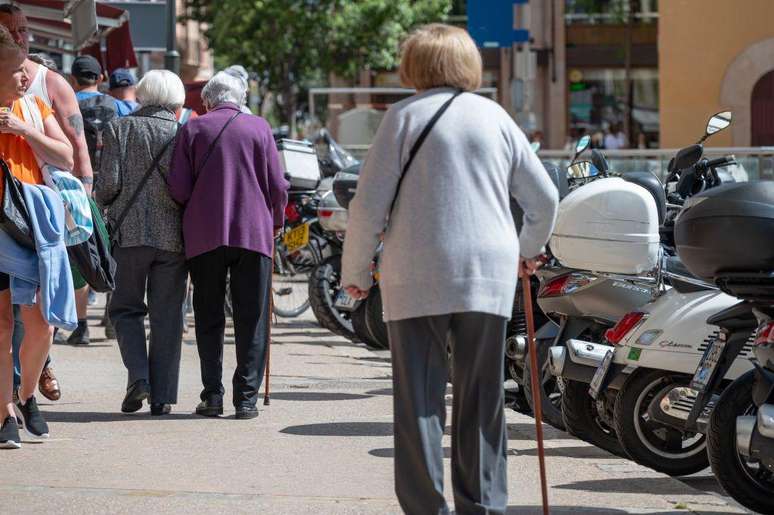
column 266, row 391
column 536, row 392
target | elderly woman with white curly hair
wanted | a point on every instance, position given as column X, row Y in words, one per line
column 147, row 242
column 226, row 173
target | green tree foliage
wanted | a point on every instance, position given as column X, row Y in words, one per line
column 292, row 43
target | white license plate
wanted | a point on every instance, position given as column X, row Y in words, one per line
column 598, row 381
column 708, row 363
column 344, row 301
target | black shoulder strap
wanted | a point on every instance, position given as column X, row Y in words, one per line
column 140, row 187
column 418, row 144
column 212, row 146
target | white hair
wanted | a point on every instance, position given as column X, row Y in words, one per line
column 239, row 71
column 161, row 88
column 224, row 88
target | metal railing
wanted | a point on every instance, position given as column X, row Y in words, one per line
column 754, row 163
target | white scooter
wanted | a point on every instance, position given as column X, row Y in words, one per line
column 656, row 352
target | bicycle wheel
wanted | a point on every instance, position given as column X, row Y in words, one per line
column 290, row 287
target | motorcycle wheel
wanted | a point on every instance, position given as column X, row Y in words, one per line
column 375, row 318
column 658, row 446
column 324, row 285
column 550, row 391
column 360, row 328
column 582, row 419
column 749, row 483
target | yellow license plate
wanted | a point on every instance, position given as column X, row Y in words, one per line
column 297, row 238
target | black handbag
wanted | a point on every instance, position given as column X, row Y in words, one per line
column 14, row 216
column 92, row 257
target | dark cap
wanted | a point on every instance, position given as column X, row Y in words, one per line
column 121, row 78
column 86, row 67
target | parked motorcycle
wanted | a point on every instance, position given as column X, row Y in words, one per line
column 325, row 288
column 652, row 348
column 724, row 236
column 596, row 298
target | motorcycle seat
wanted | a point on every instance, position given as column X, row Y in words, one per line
column 675, row 266
column 651, row 183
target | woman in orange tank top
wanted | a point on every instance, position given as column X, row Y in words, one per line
column 20, row 143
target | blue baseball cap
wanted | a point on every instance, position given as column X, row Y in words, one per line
column 121, row 78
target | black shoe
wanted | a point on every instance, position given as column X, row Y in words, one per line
column 81, row 334
column 9, row 434
column 31, row 419
column 212, row 406
column 246, row 412
column 135, row 394
column 158, row 409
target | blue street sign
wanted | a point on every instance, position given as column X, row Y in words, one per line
column 490, row 23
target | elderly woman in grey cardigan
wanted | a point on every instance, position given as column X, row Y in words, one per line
column 449, row 268
column 149, row 242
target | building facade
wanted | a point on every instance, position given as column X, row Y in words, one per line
column 716, row 55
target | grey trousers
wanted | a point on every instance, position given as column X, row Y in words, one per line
column 162, row 276
column 479, row 437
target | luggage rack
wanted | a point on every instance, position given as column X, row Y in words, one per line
column 751, row 286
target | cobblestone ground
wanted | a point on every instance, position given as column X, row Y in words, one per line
column 324, row 445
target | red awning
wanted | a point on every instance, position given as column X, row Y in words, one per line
column 50, row 20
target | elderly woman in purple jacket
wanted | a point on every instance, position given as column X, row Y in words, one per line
column 226, row 172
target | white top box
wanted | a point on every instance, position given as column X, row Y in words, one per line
column 608, row 225
column 300, row 164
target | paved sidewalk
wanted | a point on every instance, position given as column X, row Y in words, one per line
column 323, row 446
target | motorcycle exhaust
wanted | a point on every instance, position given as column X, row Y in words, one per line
column 516, row 348
column 675, row 406
column 584, row 359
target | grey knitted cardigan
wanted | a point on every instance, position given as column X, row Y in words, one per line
column 451, row 245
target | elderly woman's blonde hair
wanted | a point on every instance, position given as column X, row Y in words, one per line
column 439, row 55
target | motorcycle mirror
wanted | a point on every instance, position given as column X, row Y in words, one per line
column 535, row 145
column 582, row 170
column 688, row 157
column 599, row 161
column 580, row 146
column 717, row 123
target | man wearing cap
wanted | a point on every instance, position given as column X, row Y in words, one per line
column 97, row 110
column 123, row 89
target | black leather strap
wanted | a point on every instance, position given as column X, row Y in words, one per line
column 140, row 187
column 212, row 146
column 418, row 144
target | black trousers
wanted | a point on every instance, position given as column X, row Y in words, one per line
column 479, row 437
column 250, row 281
column 158, row 276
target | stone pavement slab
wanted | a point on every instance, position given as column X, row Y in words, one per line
column 324, row 445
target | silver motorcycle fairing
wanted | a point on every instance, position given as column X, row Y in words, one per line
column 606, row 299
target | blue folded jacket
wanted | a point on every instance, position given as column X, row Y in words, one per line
column 47, row 267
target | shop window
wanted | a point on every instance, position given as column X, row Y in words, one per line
column 598, row 103
column 610, row 11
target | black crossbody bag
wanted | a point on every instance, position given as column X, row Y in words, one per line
column 418, row 144
column 14, row 216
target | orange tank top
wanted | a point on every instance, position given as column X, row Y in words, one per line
column 17, row 153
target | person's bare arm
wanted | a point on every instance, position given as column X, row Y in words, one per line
column 68, row 114
column 51, row 146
